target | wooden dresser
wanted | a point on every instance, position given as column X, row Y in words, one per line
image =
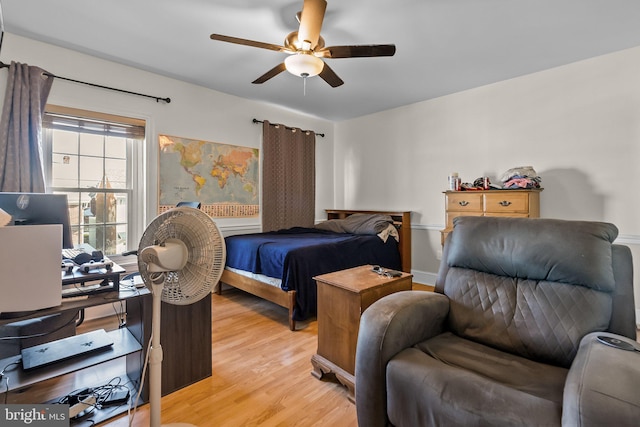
column 513, row 203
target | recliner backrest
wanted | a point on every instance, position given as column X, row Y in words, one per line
column 533, row 287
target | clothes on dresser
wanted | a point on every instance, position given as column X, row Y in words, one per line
column 522, row 182
column 521, row 177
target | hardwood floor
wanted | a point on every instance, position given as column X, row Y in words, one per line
column 261, row 374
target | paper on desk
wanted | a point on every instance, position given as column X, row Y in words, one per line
column 5, row 218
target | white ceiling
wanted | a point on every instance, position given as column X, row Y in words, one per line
column 443, row 46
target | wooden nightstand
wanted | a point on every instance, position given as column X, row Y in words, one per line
column 342, row 298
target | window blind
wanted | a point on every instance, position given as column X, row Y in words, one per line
column 88, row 125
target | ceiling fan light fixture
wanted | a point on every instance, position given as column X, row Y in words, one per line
column 306, row 48
column 304, row 65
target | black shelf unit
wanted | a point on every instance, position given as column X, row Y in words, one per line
column 130, row 345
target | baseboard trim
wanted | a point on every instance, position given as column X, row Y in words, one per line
column 424, row 277
column 627, row 239
column 239, row 229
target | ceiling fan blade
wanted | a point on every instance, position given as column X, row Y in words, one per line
column 329, row 76
column 311, row 21
column 270, row 74
column 246, row 42
column 359, row 51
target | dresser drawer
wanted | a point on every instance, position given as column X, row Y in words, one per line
column 464, row 202
column 509, row 203
column 506, row 202
column 508, row 214
column 452, row 215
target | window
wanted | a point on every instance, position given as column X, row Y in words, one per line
column 93, row 158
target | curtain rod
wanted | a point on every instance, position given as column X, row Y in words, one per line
column 288, row 127
column 46, row 73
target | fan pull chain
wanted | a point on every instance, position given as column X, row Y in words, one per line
column 304, row 83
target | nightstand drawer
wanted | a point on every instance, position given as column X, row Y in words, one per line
column 464, row 202
column 512, row 202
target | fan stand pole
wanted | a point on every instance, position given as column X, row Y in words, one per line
column 155, row 363
column 155, row 358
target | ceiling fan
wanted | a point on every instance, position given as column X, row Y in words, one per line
column 306, row 48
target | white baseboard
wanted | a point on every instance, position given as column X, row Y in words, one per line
column 424, row 277
column 229, row 230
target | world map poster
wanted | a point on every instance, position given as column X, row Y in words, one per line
column 223, row 178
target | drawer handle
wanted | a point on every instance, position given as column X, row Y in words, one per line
column 463, row 203
column 505, row 203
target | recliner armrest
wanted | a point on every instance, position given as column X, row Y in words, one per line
column 602, row 385
column 388, row 326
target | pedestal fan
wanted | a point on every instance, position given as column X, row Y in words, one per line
column 181, row 257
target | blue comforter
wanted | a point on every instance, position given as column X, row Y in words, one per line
column 298, row 254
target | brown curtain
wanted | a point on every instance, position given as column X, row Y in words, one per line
column 288, row 177
column 21, row 161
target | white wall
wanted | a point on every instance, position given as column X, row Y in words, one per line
column 577, row 125
column 194, row 112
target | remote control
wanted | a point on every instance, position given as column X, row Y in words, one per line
column 393, row 273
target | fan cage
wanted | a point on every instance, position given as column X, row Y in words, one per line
column 206, row 254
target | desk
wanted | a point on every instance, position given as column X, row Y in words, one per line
column 186, row 337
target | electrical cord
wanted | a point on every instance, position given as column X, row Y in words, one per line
column 127, row 283
column 42, row 334
column 113, row 393
column 6, row 378
column 108, row 392
column 142, row 377
column 127, row 287
column 6, row 391
column 121, row 315
column 76, row 396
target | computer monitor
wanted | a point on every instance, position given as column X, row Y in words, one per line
column 195, row 205
column 39, row 209
column 30, row 267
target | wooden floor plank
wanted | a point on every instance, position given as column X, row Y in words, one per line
column 261, row 374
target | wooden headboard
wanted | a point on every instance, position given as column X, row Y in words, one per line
column 402, row 221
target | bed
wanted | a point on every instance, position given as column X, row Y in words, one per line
column 284, row 273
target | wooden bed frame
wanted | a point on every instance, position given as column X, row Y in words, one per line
column 287, row 299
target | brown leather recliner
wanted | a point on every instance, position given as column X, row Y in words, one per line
column 510, row 337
